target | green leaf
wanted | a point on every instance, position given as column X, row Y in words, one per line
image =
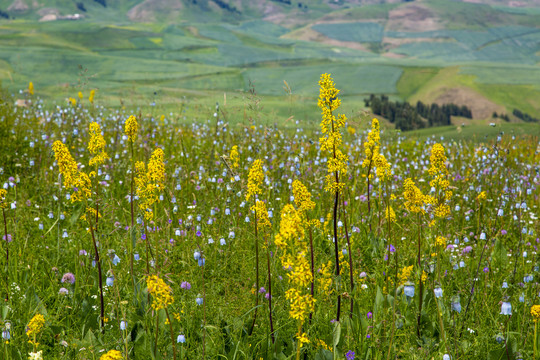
column 337, row 335
column 379, row 301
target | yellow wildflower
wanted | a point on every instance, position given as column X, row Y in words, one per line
column 160, row 291
column 331, row 139
column 150, row 181
column 302, row 197
column 405, row 274
column 80, row 95
column 234, row 157
column 111, row 355
column 535, row 312
column 131, row 128
column 66, row 163
column 34, row 327
column 96, row 145
column 481, row 196
column 371, row 146
column 255, row 179
column 440, row 241
column 262, row 215
column 302, row 339
column 31, row 88
column 91, row 97
column 414, row 199
column 389, row 214
column 3, row 202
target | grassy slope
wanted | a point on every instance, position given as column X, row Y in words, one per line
column 135, row 64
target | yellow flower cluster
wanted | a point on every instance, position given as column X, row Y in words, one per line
column 405, row 274
column 331, row 140
column 261, row 213
column 74, row 179
column 3, row 202
column 321, row 343
column 384, row 171
column 325, row 278
column 389, row 214
column 150, row 181
column 34, row 327
column 66, row 163
column 440, row 173
column 302, row 197
column 481, row 196
column 291, row 241
column 234, row 157
column 31, row 88
column 290, row 227
column 161, row 292
column 96, row 146
column 440, row 241
column 255, row 179
column 535, row 312
column 91, row 97
column 131, row 127
column 302, row 339
column 111, row 355
column 414, row 199
column 371, row 146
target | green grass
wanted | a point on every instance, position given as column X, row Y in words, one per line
column 413, row 79
column 355, row 31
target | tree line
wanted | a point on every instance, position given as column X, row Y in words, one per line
column 408, row 117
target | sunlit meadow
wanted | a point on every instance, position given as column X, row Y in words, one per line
column 130, row 236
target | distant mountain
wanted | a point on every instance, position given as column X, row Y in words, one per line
column 290, row 13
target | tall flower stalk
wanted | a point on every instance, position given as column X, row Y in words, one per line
column 150, row 181
column 81, row 184
column 337, row 163
column 304, row 204
column 162, row 298
column 415, row 203
column 255, row 180
column 130, row 129
column 3, row 206
column 371, row 150
column 294, row 252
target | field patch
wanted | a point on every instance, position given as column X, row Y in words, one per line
column 354, row 79
column 355, row 31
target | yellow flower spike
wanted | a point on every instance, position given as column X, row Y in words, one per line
column 34, row 328
column 331, row 129
column 160, row 291
column 80, row 95
column 414, row 199
column 131, row 128
column 263, row 220
column 91, row 97
column 96, row 145
column 389, row 214
column 31, row 88
column 234, row 157
column 535, row 312
column 255, row 179
column 372, row 144
column 3, row 202
column 149, row 181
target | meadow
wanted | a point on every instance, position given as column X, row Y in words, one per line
column 229, row 234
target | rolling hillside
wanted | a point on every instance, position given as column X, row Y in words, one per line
column 484, row 54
